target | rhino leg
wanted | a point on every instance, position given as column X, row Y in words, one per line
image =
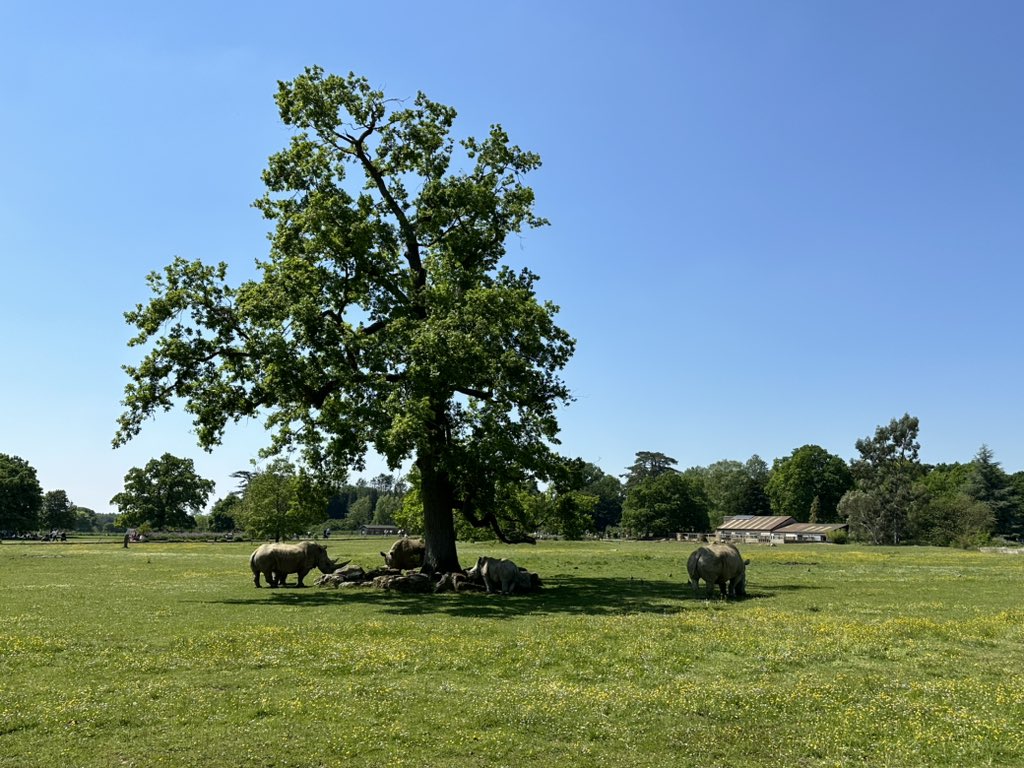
column 740, row 587
column 302, row 575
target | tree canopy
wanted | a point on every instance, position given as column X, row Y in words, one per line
column 383, row 317
column 280, row 501
column 164, row 494
column 989, row 484
column 887, row 471
column 58, row 512
column 662, row 505
column 647, row 465
column 607, row 512
column 808, row 473
column 21, row 496
column 734, row 488
column 222, row 516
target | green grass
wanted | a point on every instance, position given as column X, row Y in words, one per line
column 165, row 654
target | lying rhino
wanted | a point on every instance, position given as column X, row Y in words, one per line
column 719, row 564
column 405, row 554
column 496, row 573
column 276, row 561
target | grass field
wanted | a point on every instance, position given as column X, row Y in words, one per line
column 167, row 655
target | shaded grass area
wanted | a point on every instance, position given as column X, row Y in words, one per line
column 167, row 654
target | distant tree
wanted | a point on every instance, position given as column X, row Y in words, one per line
column 988, row 483
column 107, row 522
column 945, row 479
column 648, row 465
column 724, row 483
column 21, row 496
column 162, row 494
column 337, row 507
column 755, row 497
column 58, row 511
column 734, row 488
column 571, row 513
column 863, row 513
column 85, row 520
column 387, row 505
column 344, row 497
column 410, row 517
column 367, row 489
column 608, row 490
column 281, row 501
column 663, row 505
column 360, row 513
column 809, row 472
column 950, row 519
column 243, row 476
column 1017, row 484
column 222, row 516
column 388, row 485
column 815, row 510
column 887, row 470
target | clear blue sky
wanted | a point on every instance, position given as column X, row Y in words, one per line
column 772, row 223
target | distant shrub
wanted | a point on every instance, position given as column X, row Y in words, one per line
column 839, row 536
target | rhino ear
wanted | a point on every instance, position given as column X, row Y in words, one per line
column 383, row 555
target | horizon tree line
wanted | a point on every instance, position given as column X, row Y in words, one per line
column 885, row 495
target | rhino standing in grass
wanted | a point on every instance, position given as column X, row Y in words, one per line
column 405, row 554
column 495, row 573
column 719, row 564
column 276, row 561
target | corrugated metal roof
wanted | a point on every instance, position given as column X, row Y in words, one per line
column 811, row 528
column 755, row 522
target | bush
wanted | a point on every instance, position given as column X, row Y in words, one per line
column 840, row 536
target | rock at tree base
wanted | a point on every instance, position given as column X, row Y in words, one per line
column 395, row 580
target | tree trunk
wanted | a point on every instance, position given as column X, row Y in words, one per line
column 438, row 520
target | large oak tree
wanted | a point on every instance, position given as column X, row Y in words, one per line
column 383, row 317
column 166, row 493
column 21, row 496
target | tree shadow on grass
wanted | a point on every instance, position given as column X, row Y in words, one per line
column 574, row 595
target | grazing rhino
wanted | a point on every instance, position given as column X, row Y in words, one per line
column 276, row 561
column 719, row 564
column 405, row 554
column 495, row 573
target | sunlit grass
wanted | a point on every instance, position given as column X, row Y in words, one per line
column 167, row 655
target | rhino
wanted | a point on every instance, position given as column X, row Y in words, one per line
column 526, row 581
column 405, row 554
column 494, row 572
column 275, row 561
column 719, row 564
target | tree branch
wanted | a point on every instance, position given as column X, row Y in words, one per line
column 412, row 246
column 489, row 520
column 372, row 328
column 477, row 393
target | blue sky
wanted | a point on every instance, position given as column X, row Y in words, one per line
column 773, row 224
